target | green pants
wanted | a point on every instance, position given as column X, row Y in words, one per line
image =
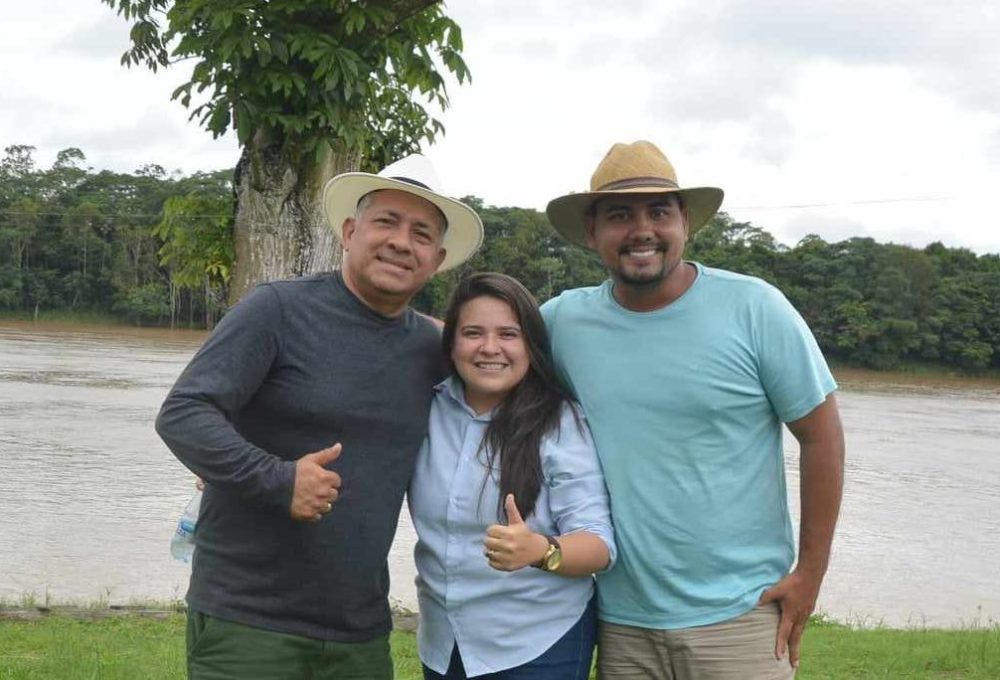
column 223, row 650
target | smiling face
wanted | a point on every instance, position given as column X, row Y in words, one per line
column 488, row 352
column 392, row 247
column 640, row 238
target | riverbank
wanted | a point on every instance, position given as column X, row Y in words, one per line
column 924, row 376
column 84, row 321
column 28, row 610
column 132, row 646
column 98, row 327
column 62, row 316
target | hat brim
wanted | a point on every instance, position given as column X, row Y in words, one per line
column 568, row 214
column 462, row 238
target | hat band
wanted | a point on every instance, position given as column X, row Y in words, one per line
column 413, row 182
column 633, row 182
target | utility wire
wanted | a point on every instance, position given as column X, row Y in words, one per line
column 873, row 201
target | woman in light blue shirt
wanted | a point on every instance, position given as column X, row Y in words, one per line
column 508, row 501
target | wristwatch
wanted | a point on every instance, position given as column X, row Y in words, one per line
column 552, row 558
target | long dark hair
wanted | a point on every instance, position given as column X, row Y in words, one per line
column 532, row 409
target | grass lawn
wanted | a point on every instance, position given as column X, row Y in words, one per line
column 151, row 649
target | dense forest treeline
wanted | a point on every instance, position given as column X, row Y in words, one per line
column 155, row 248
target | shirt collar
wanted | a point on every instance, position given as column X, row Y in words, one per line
column 453, row 389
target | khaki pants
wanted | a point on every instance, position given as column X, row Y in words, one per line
column 737, row 649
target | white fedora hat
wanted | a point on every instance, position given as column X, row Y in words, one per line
column 414, row 175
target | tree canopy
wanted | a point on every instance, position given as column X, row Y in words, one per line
column 152, row 247
column 315, row 73
column 77, row 240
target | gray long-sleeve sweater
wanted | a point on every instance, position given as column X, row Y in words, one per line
column 296, row 367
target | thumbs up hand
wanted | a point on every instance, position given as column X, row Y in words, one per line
column 316, row 488
column 513, row 546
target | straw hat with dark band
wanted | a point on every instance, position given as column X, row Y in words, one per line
column 637, row 168
column 414, row 175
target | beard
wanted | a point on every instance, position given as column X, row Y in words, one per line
column 644, row 277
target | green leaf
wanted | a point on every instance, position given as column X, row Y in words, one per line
column 244, row 121
column 316, row 71
column 280, row 49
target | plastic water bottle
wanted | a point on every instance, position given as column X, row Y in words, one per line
column 182, row 544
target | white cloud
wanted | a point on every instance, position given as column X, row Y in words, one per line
column 830, row 229
column 106, row 38
column 780, row 102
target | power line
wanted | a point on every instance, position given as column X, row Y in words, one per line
column 873, row 201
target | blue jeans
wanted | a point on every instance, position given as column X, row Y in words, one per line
column 568, row 659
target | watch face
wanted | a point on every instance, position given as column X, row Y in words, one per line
column 553, row 560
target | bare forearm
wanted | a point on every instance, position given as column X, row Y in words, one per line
column 821, row 488
column 514, row 546
column 583, row 554
column 821, row 473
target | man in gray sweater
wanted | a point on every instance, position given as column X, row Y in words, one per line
column 303, row 412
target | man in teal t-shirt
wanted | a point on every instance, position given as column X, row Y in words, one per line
column 686, row 374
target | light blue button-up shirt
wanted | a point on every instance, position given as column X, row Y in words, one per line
column 498, row 619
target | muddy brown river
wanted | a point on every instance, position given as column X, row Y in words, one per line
column 89, row 496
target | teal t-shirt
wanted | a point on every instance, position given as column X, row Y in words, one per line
column 686, row 405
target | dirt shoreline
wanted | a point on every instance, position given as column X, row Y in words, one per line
column 925, row 379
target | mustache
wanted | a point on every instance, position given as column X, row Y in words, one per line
column 396, row 261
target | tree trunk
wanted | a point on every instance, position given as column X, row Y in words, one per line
column 174, row 297
column 279, row 228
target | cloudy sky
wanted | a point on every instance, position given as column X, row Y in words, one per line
column 835, row 117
